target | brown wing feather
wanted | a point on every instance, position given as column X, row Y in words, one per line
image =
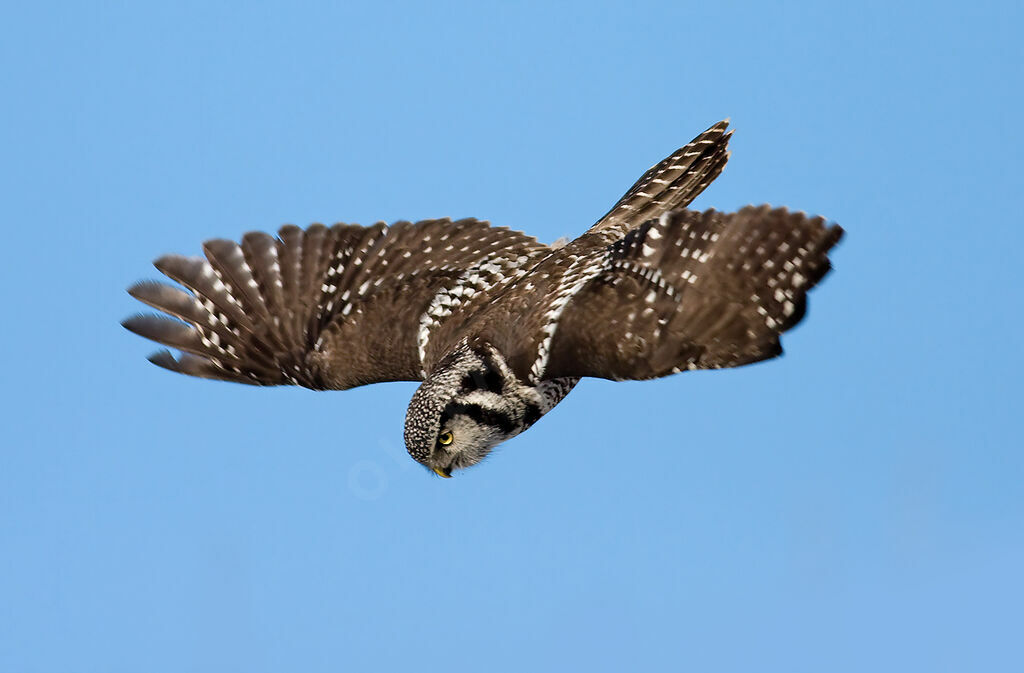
column 693, row 291
column 324, row 307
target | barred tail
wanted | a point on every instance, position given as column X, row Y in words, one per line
column 672, row 183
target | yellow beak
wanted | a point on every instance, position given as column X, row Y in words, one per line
column 442, row 472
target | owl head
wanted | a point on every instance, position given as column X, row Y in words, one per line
column 469, row 404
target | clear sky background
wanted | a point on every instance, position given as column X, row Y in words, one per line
column 853, row 506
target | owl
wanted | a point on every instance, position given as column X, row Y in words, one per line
column 497, row 327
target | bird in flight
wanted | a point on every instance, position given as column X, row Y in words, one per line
column 497, row 327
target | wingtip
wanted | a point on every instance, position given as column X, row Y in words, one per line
column 836, row 233
column 133, row 322
column 139, row 288
column 164, row 263
column 164, row 359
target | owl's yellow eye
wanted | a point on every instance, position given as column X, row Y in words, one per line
column 445, row 438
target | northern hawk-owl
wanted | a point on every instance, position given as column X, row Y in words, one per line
column 496, row 326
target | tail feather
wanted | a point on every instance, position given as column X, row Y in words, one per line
column 672, row 183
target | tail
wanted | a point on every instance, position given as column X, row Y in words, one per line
column 672, row 183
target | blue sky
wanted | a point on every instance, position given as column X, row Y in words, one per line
column 855, row 505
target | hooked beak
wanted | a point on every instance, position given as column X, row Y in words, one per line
column 441, row 472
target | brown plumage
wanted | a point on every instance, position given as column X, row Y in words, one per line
column 498, row 326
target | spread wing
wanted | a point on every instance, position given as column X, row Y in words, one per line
column 325, row 307
column 671, row 184
column 692, row 290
